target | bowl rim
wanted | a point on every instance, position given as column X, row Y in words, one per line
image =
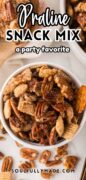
column 74, row 45
column 9, row 131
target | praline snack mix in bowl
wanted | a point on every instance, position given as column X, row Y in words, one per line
column 42, row 105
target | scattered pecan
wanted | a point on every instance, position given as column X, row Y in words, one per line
column 53, row 163
column 61, row 152
column 2, row 138
column 7, row 164
column 25, row 166
column 1, row 155
column 70, row 162
column 30, row 154
column 44, row 157
column 46, row 174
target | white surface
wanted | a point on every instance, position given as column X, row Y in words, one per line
column 77, row 146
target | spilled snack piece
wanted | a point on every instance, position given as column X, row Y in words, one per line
column 18, row 144
column 53, row 163
column 2, row 138
column 25, row 166
column 81, row 99
column 40, row 105
column 61, row 152
column 44, row 157
column 46, row 174
column 70, row 162
column 7, row 164
column 29, row 154
column 1, row 155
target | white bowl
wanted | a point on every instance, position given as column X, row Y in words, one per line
column 29, row 144
column 77, row 50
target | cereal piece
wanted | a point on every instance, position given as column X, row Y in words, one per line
column 81, row 99
column 60, row 126
column 70, row 131
column 65, row 87
column 70, row 162
column 53, row 136
column 46, row 175
column 7, row 164
column 25, row 107
column 30, row 154
column 21, row 89
column 45, row 156
column 53, row 163
column 45, row 71
column 7, row 109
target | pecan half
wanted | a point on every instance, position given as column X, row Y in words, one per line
column 14, row 108
column 44, row 157
column 30, row 154
column 46, row 175
column 25, row 166
column 7, row 164
column 53, row 136
column 70, row 162
column 1, row 155
column 61, row 152
column 53, row 163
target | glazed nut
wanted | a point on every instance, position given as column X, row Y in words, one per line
column 7, row 164
column 30, row 154
column 70, row 162
column 45, row 156
column 7, row 109
column 46, row 175
column 21, row 89
column 1, row 155
column 25, row 166
column 53, row 163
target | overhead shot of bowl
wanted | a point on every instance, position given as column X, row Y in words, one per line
column 41, row 106
column 77, row 11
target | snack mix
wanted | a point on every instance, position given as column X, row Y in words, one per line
column 76, row 9
column 43, row 105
